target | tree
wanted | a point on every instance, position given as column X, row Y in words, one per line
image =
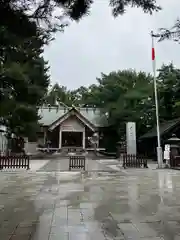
column 126, row 95
column 79, row 96
column 44, row 10
column 123, row 95
column 76, row 9
column 25, row 27
column 23, row 73
column 56, row 95
column 169, row 85
column 129, row 96
column 171, row 34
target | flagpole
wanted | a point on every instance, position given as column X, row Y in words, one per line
column 159, row 149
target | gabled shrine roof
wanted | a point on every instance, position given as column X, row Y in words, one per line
column 48, row 115
column 164, row 128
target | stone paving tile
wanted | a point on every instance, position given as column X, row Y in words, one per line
column 128, row 230
column 20, row 237
column 63, row 165
column 41, row 233
column 5, row 237
column 154, row 238
column 7, row 230
column 145, row 230
column 79, row 236
column 59, row 221
column 97, row 234
column 59, row 236
column 23, row 231
column 47, row 205
column 56, row 165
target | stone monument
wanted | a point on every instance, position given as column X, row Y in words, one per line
column 131, row 138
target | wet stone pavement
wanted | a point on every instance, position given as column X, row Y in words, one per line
column 53, row 205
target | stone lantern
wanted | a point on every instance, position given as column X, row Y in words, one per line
column 120, row 148
column 174, row 148
column 94, row 140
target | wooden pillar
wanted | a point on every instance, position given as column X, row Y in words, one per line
column 98, row 139
column 60, row 137
column 45, row 135
column 84, row 140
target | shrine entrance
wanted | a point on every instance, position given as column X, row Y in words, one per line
column 73, row 131
column 72, row 139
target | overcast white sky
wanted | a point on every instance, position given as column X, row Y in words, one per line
column 100, row 43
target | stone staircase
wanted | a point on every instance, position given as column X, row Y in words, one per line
column 66, row 151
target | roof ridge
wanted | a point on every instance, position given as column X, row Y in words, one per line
column 61, row 107
column 164, row 127
column 169, row 121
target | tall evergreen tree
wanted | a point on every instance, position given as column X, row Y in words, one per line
column 23, row 71
column 172, row 33
column 52, row 12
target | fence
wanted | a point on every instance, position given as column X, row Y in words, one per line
column 134, row 161
column 21, row 161
column 77, row 162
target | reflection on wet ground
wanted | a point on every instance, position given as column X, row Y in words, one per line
column 52, row 205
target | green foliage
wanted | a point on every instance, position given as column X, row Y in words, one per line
column 128, row 96
column 125, row 97
column 57, row 95
column 78, row 8
column 169, row 84
column 170, row 34
column 51, row 13
column 23, row 72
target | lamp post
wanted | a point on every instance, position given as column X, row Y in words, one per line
column 159, row 149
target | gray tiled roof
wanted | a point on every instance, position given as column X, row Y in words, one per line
column 164, row 128
column 50, row 115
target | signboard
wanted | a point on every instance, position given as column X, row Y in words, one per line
column 67, row 128
column 166, row 155
column 72, row 125
column 131, row 137
column 167, row 152
column 167, row 147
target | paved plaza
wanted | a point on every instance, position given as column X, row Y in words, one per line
column 53, row 204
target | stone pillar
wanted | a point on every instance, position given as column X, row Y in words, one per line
column 84, row 140
column 131, row 138
column 60, row 137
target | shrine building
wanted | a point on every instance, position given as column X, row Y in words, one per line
column 70, row 127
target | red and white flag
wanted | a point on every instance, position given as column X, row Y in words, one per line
column 153, row 56
column 153, row 53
